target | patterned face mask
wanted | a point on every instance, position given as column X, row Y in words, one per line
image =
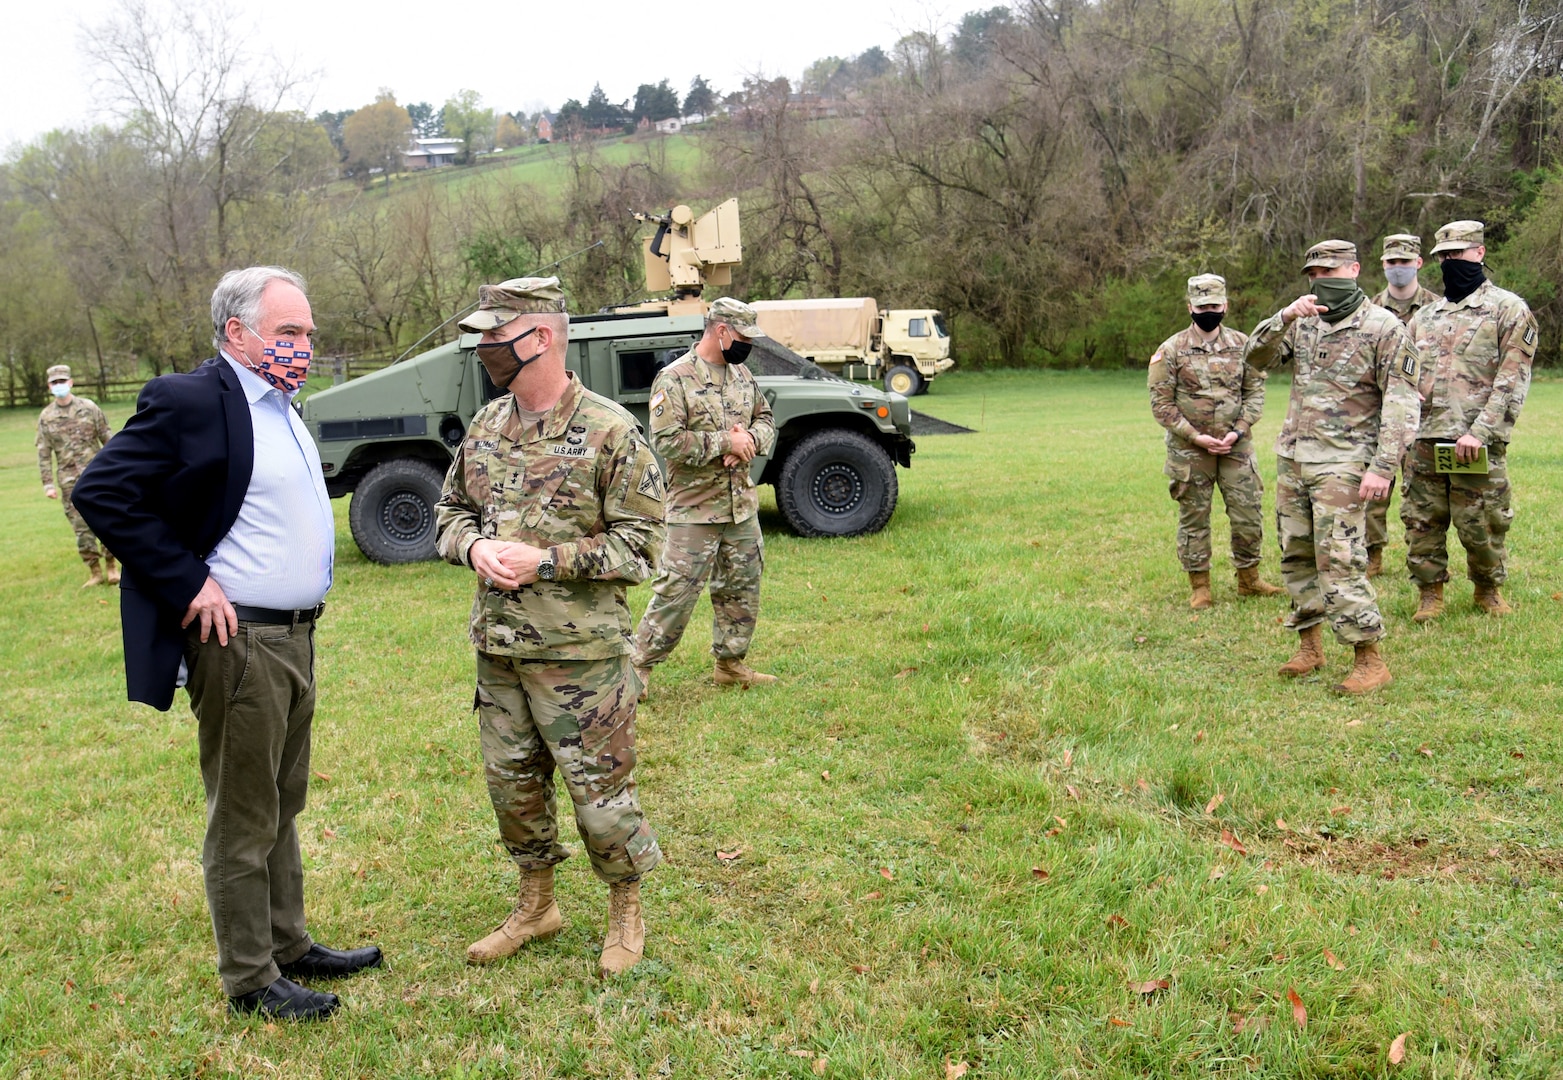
column 284, row 363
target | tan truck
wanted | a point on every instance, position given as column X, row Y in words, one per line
column 857, row 339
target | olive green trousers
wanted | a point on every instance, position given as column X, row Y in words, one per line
column 254, row 699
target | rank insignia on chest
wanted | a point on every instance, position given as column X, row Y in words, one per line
column 584, row 453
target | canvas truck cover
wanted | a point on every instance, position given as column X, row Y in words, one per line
column 812, row 326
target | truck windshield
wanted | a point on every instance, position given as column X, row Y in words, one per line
column 938, row 325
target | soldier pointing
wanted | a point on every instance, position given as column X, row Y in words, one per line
column 1353, row 411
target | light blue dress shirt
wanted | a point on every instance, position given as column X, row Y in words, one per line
column 279, row 552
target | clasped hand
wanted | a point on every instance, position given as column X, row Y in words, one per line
column 740, row 448
column 504, row 564
column 1213, row 445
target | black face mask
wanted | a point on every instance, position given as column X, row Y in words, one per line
column 502, row 362
column 1461, row 278
column 737, row 352
column 1208, row 320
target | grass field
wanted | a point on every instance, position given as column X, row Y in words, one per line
column 981, row 820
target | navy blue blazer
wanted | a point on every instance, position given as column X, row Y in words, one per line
column 161, row 494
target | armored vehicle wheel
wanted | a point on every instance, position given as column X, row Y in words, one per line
column 904, row 380
column 392, row 513
column 837, row 483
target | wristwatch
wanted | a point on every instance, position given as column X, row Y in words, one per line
column 546, row 567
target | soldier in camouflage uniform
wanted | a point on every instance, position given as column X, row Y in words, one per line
column 1405, row 295
column 1353, row 412
column 1479, row 341
column 709, row 420
column 1209, row 400
column 556, row 502
column 71, row 431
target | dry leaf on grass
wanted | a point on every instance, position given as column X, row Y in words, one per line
column 825, row 775
column 1141, row 784
column 954, row 1071
column 1215, row 801
column 1115, row 1022
column 905, row 672
column 1280, row 823
column 328, row 834
column 1231, row 841
column 801, row 1053
column 1149, row 986
column 1397, row 1049
column 1039, row 873
column 1340, row 811
column 1117, row 922
column 884, row 872
column 1299, row 1010
column 321, row 776
column 814, row 986
column 861, row 969
column 819, row 1066
column 1062, row 824
column 1052, row 832
column 1260, row 890
column 729, row 856
column 875, row 895
column 1072, row 791
column 1334, row 962
column 1069, row 758
column 1424, row 751
column 1217, row 872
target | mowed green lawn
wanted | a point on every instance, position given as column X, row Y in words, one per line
column 1009, row 787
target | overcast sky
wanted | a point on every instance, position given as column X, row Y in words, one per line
column 426, row 50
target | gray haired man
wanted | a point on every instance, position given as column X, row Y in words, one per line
column 212, row 497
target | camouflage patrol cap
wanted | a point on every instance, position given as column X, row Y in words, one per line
column 58, row 373
column 498, row 304
column 1331, row 254
column 1207, row 289
column 737, row 314
column 1459, row 235
column 1402, row 246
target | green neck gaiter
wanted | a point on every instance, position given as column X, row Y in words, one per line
column 1340, row 295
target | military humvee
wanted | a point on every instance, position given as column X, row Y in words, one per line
column 388, row 438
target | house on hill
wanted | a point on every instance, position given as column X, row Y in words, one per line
column 671, row 126
column 431, row 153
column 545, row 129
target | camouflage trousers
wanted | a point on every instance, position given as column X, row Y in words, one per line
column 1378, row 518
column 1478, row 507
column 87, row 545
column 732, row 556
column 578, row 716
column 1324, row 555
column 1194, row 477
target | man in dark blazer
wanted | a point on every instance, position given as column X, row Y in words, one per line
column 214, row 501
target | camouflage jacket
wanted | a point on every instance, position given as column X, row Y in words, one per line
column 70, row 434
column 692, row 415
column 1405, row 309
column 1204, row 389
column 1480, row 350
column 1354, row 393
column 582, row 483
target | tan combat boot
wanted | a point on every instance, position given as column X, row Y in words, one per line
column 1490, row 603
column 111, row 569
column 1375, row 561
column 96, row 577
column 1249, row 583
column 1310, row 653
column 536, row 918
column 1199, row 581
column 1368, row 671
column 732, row 671
column 644, row 675
column 1431, row 603
column 626, row 940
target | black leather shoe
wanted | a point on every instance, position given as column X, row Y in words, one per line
column 285, row 1000
column 323, row 963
